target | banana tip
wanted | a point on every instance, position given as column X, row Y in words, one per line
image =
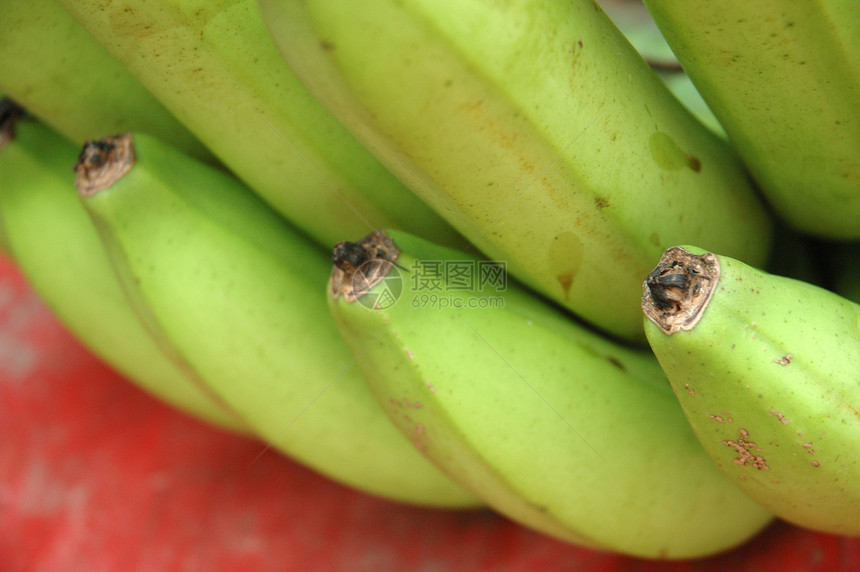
column 102, row 162
column 676, row 293
column 359, row 266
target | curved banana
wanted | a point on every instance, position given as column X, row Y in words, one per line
column 214, row 66
column 767, row 370
column 783, row 78
column 238, row 293
column 53, row 242
column 52, row 66
column 536, row 129
column 549, row 423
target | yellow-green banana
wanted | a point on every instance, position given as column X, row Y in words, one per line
column 549, row 423
column 212, row 63
column 784, row 80
column 634, row 21
column 54, row 243
column 233, row 289
column 767, row 370
column 52, row 66
column 536, row 129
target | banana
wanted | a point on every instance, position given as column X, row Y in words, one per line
column 52, row 66
column 767, row 369
column 223, row 279
column 783, row 78
column 53, row 242
column 546, row 421
column 634, row 21
column 536, row 130
column 213, row 65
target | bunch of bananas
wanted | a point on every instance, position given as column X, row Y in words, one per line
column 535, row 178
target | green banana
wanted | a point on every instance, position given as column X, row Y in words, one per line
column 214, row 66
column 549, row 423
column 53, row 242
column 767, row 369
column 223, row 279
column 634, row 21
column 783, row 78
column 536, row 130
column 52, row 66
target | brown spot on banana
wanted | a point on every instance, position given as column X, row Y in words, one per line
column 668, row 154
column 779, row 416
column 564, row 258
column 745, row 448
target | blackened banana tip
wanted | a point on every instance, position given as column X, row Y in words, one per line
column 676, row 293
column 102, row 162
column 359, row 266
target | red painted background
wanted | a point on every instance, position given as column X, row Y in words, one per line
column 95, row 475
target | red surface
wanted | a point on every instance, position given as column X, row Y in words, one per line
column 95, row 475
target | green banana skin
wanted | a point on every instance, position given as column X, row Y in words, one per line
column 226, row 82
column 550, row 424
column 53, row 242
column 238, row 293
column 52, row 66
column 536, row 130
column 783, row 78
column 634, row 21
column 767, row 373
